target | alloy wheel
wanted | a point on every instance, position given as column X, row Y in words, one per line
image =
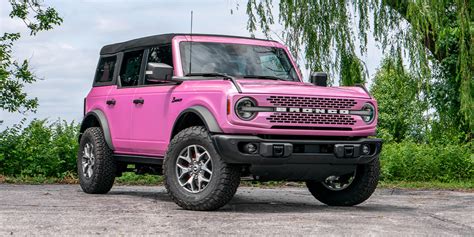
column 194, row 168
column 338, row 183
column 88, row 160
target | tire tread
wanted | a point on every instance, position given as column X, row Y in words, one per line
column 227, row 185
column 105, row 165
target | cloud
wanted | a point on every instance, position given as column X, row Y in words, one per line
column 108, row 25
column 66, row 56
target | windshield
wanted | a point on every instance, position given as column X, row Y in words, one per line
column 238, row 60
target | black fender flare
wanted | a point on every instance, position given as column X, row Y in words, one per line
column 104, row 125
column 206, row 116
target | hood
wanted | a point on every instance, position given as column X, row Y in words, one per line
column 299, row 88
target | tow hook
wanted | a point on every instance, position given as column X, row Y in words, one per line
column 276, row 150
column 351, row 150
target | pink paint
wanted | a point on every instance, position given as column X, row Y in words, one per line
column 146, row 128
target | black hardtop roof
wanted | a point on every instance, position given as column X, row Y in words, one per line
column 155, row 40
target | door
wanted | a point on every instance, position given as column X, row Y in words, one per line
column 120, row 101
column 150, row 113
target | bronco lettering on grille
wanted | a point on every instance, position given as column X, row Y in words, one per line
column 312, row 111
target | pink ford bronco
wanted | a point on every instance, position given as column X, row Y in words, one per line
column 206, row 110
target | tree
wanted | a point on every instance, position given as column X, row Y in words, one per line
column 435, row 35
column 400, row 103
column 15, row 75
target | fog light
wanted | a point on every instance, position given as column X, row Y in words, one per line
column 365, row 149
column 250, row 148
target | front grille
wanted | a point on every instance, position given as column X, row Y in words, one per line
column 312, row 102
column 306, row 118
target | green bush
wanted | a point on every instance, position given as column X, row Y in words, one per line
column 43, row 149
column 408, row 161
column 39, row 149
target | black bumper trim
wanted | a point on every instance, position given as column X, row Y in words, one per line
column 230, row 149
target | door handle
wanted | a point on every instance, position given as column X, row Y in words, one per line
column 138, row 101
column 110, row 102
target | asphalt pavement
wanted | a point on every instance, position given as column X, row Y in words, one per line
column 64, row 210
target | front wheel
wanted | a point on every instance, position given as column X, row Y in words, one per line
column 350, row 189
column 196, row 177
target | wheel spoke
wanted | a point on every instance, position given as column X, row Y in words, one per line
column 202, row 178
column 186, row 158
column 89, row 171
column 191, row 154
column 184, row 170
column 190, row 182
column 87, row 150
column 205, row 169
column 205, row 153
column 84, row 167
column 207, row 161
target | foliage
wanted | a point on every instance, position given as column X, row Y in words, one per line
column 39, row 149
column 130, row 178
column 400, row 103
column 13, row 74
column 409, row 161
column 435, row 35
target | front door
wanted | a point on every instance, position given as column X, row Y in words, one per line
column 152, row 99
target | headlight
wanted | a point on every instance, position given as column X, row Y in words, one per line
column 241, row 108
column 369, row 108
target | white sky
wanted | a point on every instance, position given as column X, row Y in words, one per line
column 67, row 55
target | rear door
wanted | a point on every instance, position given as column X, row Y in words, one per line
column 104, row 81
column 149, row 116
column 120, row 100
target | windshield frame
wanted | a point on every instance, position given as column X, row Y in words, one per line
column 179, row 72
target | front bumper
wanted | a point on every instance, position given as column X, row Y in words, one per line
column 295, row 151
column 294, row 159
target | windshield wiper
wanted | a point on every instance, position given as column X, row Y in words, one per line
column 264, row 77
column 208, row 74
column 216, row 74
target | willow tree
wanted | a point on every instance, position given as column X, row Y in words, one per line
column 14, row 74
column 434, row 35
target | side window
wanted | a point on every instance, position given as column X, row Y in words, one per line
column 159, row 54
column 105, row 70
column 130, row 69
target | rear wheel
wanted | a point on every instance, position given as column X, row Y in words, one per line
column 350, row 189
column 96, row 167
column 196, row 177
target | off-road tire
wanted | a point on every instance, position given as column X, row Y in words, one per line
column 361, row 188
column 223, row 184
column 104, row 169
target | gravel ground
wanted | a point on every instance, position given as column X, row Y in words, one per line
column 138, row 210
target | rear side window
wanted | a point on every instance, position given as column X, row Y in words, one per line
column 130, row 69
column 105, row 70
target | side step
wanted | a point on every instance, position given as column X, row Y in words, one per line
column 133, row 159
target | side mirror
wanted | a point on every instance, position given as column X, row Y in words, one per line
column 319, row 78
column 158, row 72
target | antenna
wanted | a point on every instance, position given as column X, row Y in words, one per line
column 191, row 45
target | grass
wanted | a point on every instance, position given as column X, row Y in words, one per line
column 433, row 185
column 151, row 180
column 130, row 178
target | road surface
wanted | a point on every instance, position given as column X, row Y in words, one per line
column 140, row 210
